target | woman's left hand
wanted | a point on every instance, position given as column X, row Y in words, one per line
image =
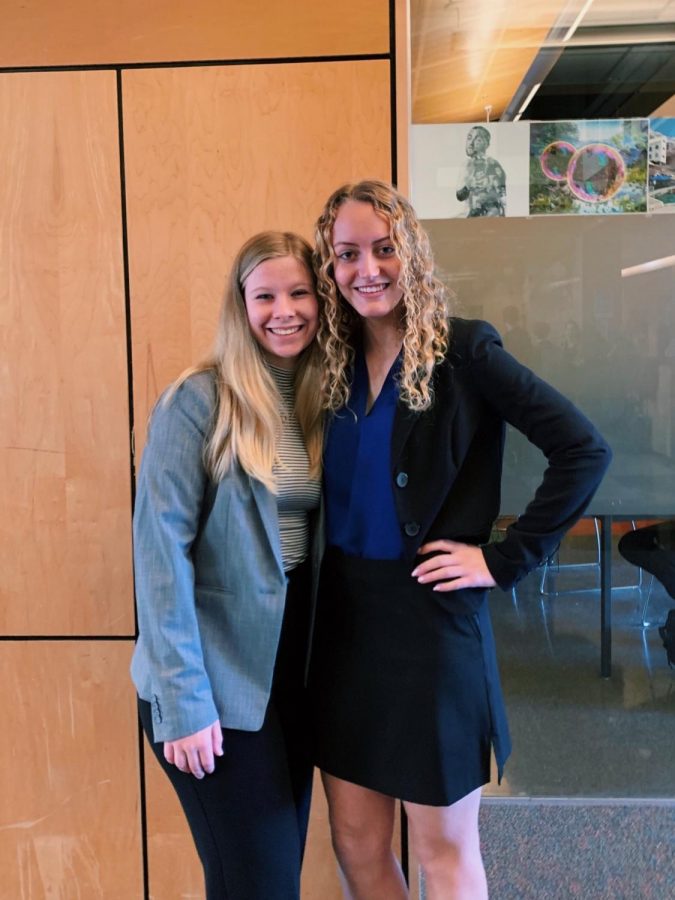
column 454, row 566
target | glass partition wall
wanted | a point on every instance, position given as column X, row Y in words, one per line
column 554, row 289
column 588, row 302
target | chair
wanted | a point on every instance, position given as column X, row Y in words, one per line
column 644, row 621
column 498, row 534
column 551, row 567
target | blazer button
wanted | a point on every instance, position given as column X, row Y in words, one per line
column 411, row 529
column 402, row 479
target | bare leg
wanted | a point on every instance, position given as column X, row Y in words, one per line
column 447, row 846
column 362, row 825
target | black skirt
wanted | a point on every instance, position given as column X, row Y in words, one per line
column 399, row 690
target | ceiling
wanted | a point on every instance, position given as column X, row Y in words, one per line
column 474, row 59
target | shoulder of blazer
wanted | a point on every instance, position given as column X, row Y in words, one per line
column 195, row 397
column 469, row 340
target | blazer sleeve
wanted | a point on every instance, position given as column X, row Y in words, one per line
column 576, row 453
column 170, row 491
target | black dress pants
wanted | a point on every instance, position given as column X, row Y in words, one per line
column 249, row 817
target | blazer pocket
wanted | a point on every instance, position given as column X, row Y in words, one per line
column 217, row 594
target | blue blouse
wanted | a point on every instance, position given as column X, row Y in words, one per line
column 360, row 512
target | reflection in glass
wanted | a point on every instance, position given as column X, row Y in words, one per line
column 554, row 289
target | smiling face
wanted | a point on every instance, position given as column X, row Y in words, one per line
column 366, row 267
column 282, row 309
column 477, row 141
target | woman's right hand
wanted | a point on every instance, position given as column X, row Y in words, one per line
column 195, row 753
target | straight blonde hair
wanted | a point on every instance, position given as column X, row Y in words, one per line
column 247, row 419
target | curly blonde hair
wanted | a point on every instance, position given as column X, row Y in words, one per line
column 425, row 306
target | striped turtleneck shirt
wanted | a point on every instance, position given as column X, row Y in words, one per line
column 297, row 495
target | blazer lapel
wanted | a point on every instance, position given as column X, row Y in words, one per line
column 438, row 460
column 267, row 507
column 404, row 419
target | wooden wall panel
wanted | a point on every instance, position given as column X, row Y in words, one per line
column 216, row 154
column 64, row 428
column 212, row 155
column 68, row 772
column 86, row 32
column 403, row 101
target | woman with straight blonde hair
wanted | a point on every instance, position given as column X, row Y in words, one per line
column 403, row 680
column 228, row 490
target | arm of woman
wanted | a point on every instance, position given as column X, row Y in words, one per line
column 577, row 458
column 169, row 499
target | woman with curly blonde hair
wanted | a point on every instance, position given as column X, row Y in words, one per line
column 403, row 679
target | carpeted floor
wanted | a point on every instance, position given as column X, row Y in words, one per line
column 547, row 850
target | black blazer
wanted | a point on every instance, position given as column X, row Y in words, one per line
column 447, row 461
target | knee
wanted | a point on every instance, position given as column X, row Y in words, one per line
column 438, row 850
column 434, row 849
column 355, row 842
column 453, row 869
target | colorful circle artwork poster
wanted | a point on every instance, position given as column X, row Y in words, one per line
column 589, row 167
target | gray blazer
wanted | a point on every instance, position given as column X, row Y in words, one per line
column 210, row 582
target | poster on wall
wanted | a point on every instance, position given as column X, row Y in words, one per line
column 661, row 197
column 589, row 167
column 470, row 171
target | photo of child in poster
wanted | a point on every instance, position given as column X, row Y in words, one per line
column 483, row 182
column 470, row 171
